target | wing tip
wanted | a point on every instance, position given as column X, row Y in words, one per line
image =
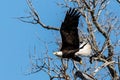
column 73, row 12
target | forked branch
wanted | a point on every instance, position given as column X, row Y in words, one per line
column 34, row 18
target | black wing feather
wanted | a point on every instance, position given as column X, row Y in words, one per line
column 69, row 31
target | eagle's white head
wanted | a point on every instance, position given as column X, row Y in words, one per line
column 59, row 54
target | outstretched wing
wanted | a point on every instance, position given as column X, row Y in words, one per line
column 69, row 31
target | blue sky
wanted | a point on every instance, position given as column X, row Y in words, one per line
column 17, row 38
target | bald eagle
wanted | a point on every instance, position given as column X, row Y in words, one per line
column 71, row 47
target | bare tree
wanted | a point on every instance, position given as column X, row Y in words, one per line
column 101, row 28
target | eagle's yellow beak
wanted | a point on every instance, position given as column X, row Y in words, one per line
column 80, row 62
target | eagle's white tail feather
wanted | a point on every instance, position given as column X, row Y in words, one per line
column 85, row 51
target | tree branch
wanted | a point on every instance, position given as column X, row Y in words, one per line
column 83, row 76
column 104, row 65
column 35, row 18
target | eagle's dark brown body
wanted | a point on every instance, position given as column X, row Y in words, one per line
column 69, row 34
